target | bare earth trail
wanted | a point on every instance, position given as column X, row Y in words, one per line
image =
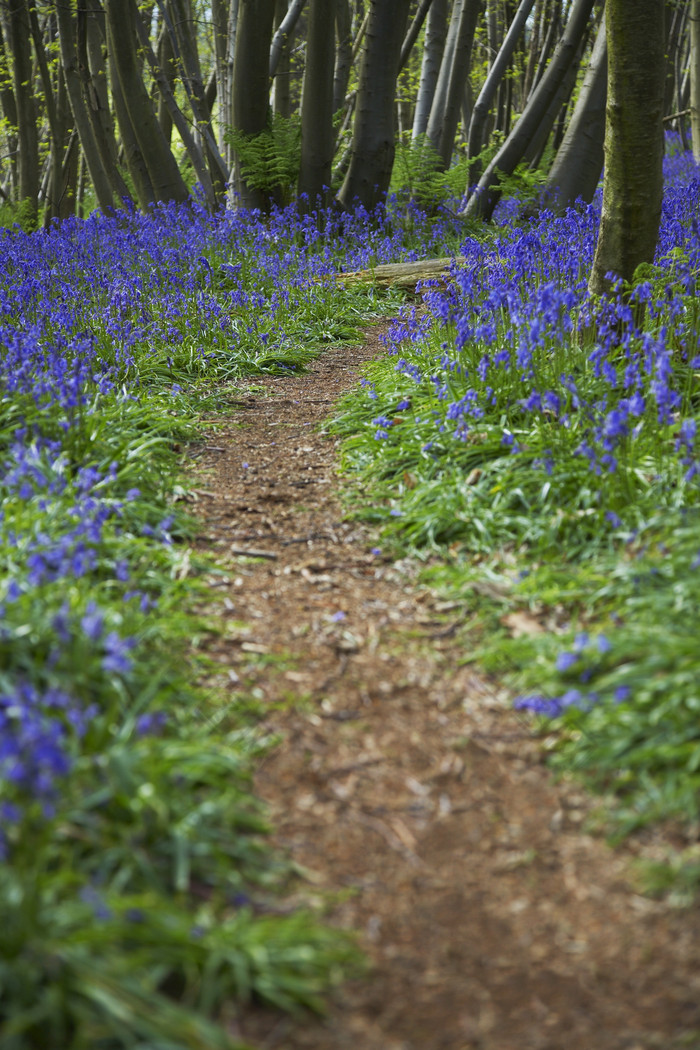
column 410, row 789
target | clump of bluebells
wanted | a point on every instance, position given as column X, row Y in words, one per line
column 117, row 798
column 520, row 421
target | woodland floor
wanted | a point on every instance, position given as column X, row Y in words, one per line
column 415, row 796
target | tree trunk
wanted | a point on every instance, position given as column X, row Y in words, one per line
column 444, row 113
column 251, row 83
column 177, row 117
column 317, row 139
column 579, row 160
column 90, row 151
column 165, row 57
column 413, row 31
column 281, row 83
column 343, row 54
column 433, row 48
column 488, row 91
column 23, row 77
column 695, row 78
column 484, row 199
column 634, row 144
column 160, row 164
column 9, row 109
column 283, row 34
column 181, row 23
column 373, row 144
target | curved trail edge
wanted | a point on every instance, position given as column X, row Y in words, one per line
column 407, row 786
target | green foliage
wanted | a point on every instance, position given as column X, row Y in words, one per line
column 270, row 161
column 418, row 174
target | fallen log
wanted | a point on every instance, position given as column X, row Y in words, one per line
column 405, row 274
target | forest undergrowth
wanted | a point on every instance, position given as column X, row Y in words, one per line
column 517, row 434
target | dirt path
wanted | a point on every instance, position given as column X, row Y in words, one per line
column 411, row 790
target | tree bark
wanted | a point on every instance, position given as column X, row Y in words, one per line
column 20, row 36
column 695, row 78
column 163, row 172
column 373, row 144
column 317, row 139
column 484, row 199
column 251, row 81
column 90, row 150
column 634, row 144
column 343, row 54
column 444, row 113
column 486, row 95
column 433, row 48
column 283, row 33
column 579, row 160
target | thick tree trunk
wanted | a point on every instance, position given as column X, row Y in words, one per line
column 162, row 168
column 633, row 182
column 373, row 144
column 579, row 160
column 167, row 70
column 493, row 80
column 9, row 109
column 20, row 36
column 281, row 82
column 433, row 48
column 695, row 78
column 251, row 80
column 444, row 113
column 484, row 199
column 317, row 139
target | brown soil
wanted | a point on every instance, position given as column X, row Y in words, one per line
column 405, row 783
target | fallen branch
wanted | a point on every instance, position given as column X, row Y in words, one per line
column 404, row 275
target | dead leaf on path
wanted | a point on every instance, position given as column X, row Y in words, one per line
column 521, row 624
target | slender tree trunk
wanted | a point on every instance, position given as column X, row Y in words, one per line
column 91, row 40
column 317, row 139
column 435, row 36
column 183, row 26
column 633, row 182
column 343, row 54
column 23, row 76
column 177, row 117
column 163, row 172
column 579, row 160
column 488, row 91
column 284, row 32
column 373, row 143
column 444, row 113
column 484, row 199
column 9, row 109
column 413, row 31
column 90, row 151
column 251, row 80
column 281, row 83
column 695, row 78
column 168, row 71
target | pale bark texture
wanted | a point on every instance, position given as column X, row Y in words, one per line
column 435, row 35
column 487, row 193
column 317, row 139
column 695, row 77
column 445, row 110
column 373, row 143
column 487, row 94
column 163, row 172
column 579, row 160
column 251, row 83
column 634, row 145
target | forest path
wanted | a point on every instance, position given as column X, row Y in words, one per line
column 409, row 787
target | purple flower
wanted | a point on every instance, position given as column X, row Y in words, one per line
column 565, row 661
column 92, row 622
column 116, row 657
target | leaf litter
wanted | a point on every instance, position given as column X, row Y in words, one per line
column 413, row 799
